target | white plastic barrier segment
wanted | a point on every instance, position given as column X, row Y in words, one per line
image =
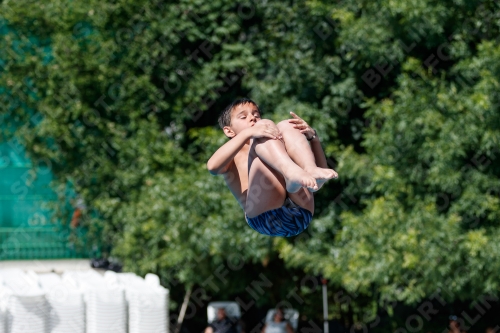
column 147, row 303
column 3, row 322
column 3, row 306
column 105, row 302
column 19, row 282
column 67, row 307
column 27, row 314
column 27, row 309
column 152, row 279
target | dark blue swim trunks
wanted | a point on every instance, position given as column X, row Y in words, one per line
column 286, row 221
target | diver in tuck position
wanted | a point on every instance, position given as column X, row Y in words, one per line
column 271, row 169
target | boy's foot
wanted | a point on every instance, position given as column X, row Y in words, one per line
column 321, row 175
column 296, row 178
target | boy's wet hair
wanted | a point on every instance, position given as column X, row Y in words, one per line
column 225, row 116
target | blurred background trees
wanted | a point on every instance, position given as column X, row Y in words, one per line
column 121, row 98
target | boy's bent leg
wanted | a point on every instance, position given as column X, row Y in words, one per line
column 266, row 190
column 266, row 187
column 300, row 152
column 274, row 154
column 296, row 145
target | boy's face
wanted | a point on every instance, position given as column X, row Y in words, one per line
column 242, row 117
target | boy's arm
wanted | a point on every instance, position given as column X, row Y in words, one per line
column 319, row 154
column 222, row 158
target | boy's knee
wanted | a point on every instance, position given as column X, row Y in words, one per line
column 285, row 125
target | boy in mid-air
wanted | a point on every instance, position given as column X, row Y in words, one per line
column 271, row 169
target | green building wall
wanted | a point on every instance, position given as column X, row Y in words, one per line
column 26, row 230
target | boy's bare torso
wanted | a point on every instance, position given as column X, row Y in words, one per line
column 236, row 176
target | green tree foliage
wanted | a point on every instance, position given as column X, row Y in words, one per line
column 419, row 209
column 113, row 89
column 121, row 98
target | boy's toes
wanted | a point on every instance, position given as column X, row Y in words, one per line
column 310, row 183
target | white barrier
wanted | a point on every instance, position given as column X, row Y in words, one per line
column 81, row 302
